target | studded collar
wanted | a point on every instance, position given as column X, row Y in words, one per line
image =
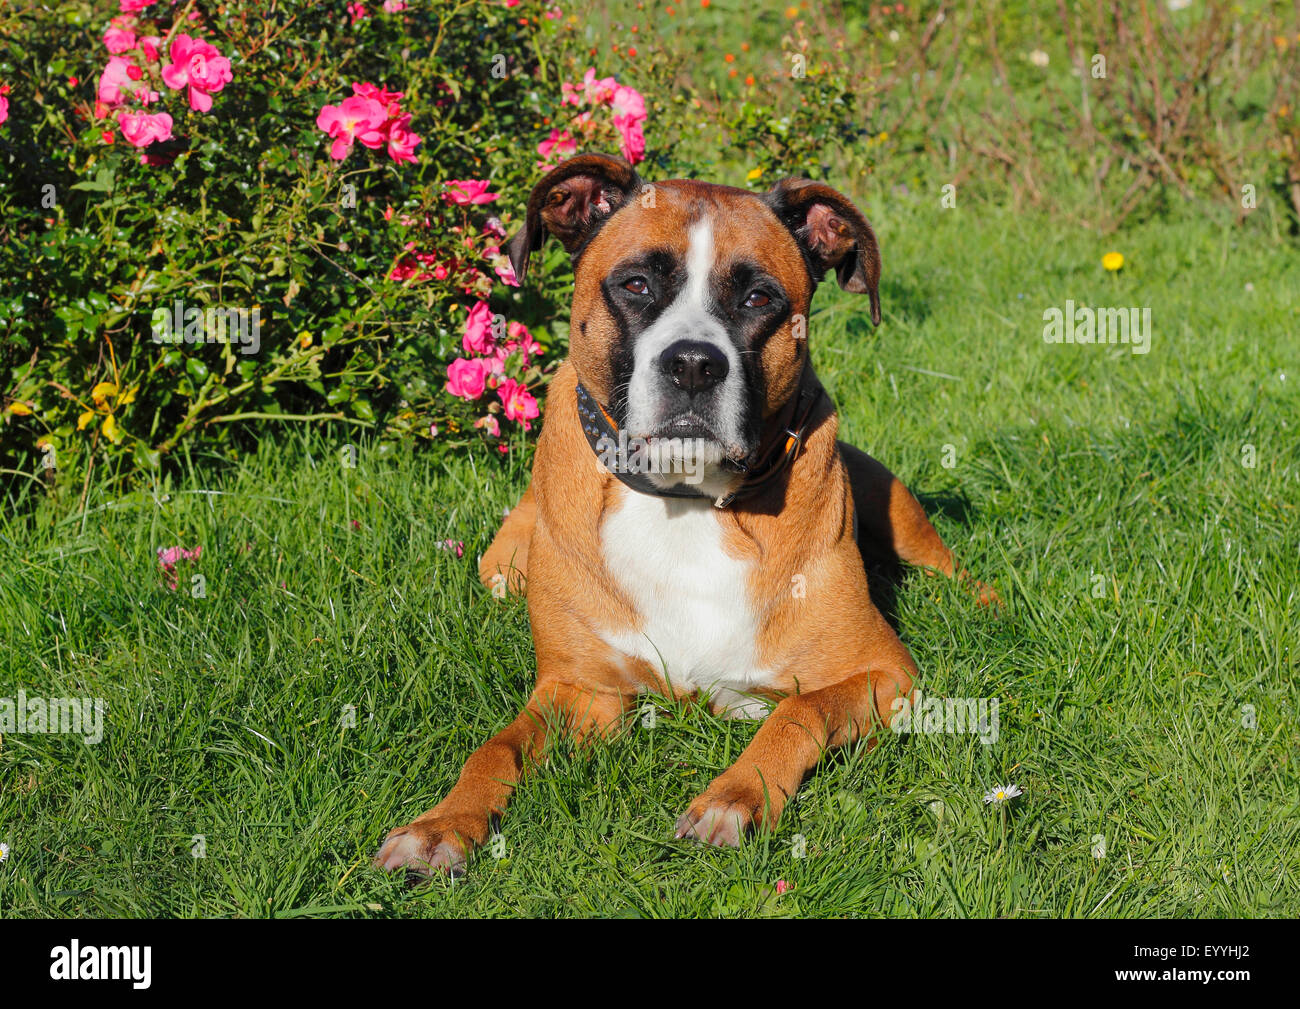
column 771, row 460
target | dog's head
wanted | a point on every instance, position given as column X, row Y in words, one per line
column 690, row 300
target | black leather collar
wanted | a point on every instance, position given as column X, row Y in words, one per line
column 771, row 460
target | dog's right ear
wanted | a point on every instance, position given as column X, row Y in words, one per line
column 572, row 201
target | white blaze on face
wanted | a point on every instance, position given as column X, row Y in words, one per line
column 689, row 317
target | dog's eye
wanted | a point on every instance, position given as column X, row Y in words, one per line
column 637, row 285
column 756, row 299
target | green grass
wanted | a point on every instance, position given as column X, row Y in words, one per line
column 1120, row 716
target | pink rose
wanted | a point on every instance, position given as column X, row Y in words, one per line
column 559, row 143
column 402, row 271
column 597, row 91
column 169, row 557
column 394, row 6
column 142, row 129
column 468, row 191
column 119, row 82
column 629, row 113
column 4, row 108
column 401, row 141
column 478, row 330
column 502, row 265
column 466, row 378
column 355, row 119
column 130, row 6
column 388, row 99
column 628, row 102
column 114, row 81
column 633, row 145
column 519, row 402
column 197, row 65
column 522, row 340
column 489, row 424
column 505, row 271
column 119, row 40
column 149, row 46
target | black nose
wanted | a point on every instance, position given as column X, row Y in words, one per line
column 693, row 366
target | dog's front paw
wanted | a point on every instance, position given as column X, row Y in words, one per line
column 436, row 844
column 723, row 815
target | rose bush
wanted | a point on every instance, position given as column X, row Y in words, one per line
column 218, row 221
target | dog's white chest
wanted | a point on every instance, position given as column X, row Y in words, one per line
column 698, row 625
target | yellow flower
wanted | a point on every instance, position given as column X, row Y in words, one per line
column 21, row 409
column 111, row 431
column 754, row 174
column 128, row 397
column 1112, row 261
column 85, row 419
column 304, row 339
column 792, row 12
column 102, row 391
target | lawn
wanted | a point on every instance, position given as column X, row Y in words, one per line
column 325, row 681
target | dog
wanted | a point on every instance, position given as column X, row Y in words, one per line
column 729, row 562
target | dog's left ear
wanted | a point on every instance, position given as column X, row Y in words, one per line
column 832, row 233
column 572, row 201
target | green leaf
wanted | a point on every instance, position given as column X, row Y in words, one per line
column 102, row 183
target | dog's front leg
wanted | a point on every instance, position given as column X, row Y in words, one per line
column 444, row 837
column 787, row 746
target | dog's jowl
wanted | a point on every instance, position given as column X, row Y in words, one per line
column 722, row 551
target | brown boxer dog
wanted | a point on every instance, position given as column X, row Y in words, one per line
column 692, row 524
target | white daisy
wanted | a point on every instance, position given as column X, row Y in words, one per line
column 4, row 851
column 999, row 795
